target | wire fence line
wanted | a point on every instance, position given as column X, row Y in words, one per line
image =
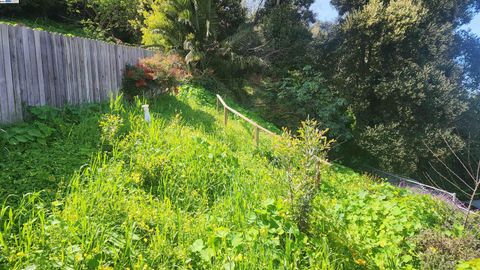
column 42, row 68
column 417, row 187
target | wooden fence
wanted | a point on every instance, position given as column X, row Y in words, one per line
column 256, row 127
column 42, row 68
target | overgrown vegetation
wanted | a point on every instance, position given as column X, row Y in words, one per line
column 391, row 81
column 43, row 153
column 186, row 192
column 373, row 76
column 154, row 76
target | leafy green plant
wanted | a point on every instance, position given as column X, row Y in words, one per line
column 110, row 125
column 36, row 132
column 305, row 94
column 46, row 162
column 469, row 265
column 186, row 192
column 302, row 157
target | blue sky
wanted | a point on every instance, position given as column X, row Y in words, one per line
column 326, row 12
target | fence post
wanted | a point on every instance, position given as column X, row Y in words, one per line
column 225, row 115
column 218, row 105
column 257, row 136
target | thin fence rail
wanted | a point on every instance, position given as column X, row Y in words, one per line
column 393, row 179
column 256, row 127
column 41, row 68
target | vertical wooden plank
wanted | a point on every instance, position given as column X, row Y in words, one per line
column 90, row 69
column 55, row 66
column 77, row 76
column 108, row 74
column 128, row 56
column 53, row 69
column 82, row 90
column 97, row 70
column 117, row 67
column 35, row 92
column 15, row 73
column 29, row 92
column 113, row 67
column 45, row 67
column 49, row 72
column 72, row 70
column 44, row 61
column 94, row 70
column 78, row 73
column 61, row 68
column 110, row 70
column 107, row 71
column 38, row 55
column 21, row 64
column 120, row 64
column 101, row 71
column 111, row 87
column 86, row 74
column 67, row 61
column 4, row 116
column 8, row 74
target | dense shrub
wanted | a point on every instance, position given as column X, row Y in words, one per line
column 167, row 69
column 137, row 80
column 304, row 94
column 155, row 75
column 378, row 235
column 109, row 19
column 442, row 251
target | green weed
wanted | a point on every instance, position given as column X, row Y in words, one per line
column 185, row 192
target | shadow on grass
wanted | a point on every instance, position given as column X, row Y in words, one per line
column 32, row 166
column 167, row 107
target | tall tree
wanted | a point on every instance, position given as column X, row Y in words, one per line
column 394, row 61
column 284, row 27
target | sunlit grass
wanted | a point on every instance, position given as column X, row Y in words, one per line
column 186, row 192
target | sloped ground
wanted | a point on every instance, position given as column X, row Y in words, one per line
column 185, row 192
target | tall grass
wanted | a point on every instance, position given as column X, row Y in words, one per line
column 186, row 192
column 179, row 192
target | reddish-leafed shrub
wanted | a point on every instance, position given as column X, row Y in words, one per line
column 155, row 75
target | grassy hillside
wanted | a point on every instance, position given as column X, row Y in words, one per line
column 186, row 193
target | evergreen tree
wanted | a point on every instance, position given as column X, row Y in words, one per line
column 395, row 63
column 284, row 26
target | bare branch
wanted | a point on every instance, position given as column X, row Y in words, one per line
column 459, row 160
column 448, row 180
column 448, row 168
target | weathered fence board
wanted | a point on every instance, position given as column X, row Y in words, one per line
column 8, row 71
column 41, row 68
column 3, row 86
